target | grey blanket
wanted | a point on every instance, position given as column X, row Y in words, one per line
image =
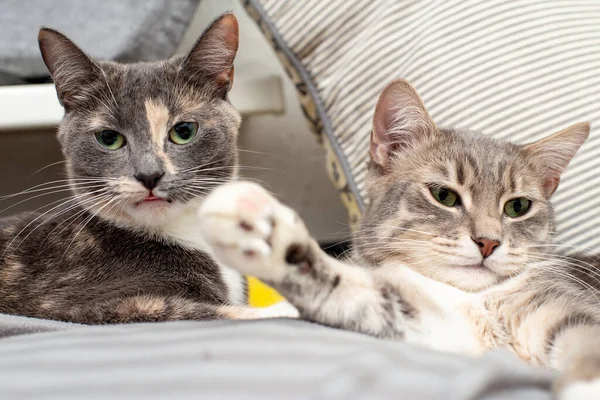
column 269, row 359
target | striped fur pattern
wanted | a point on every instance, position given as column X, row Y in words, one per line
column 513, row 70
column 431, row 278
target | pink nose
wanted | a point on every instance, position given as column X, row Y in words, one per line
column 486, row 246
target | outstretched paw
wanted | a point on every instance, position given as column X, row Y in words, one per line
column 249, row 230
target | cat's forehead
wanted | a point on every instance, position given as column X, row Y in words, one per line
column 478, row 164
column 134, row 84
column 140, row 95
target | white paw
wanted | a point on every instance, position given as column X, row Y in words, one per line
column 581, row 390
column 249, row 230
column 283, row 309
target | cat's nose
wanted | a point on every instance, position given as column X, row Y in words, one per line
column 150, row 180
column 486, row 246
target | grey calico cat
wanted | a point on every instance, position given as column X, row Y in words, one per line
column 143, row 144
column 455, row 241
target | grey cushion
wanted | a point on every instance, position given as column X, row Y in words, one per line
column 109, row 29
column 269, row 359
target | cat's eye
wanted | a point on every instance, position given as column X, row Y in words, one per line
column 183, row 132
column 445, row 196
column 110, row 139
column 517, row 207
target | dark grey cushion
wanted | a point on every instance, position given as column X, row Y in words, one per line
column 109, row 29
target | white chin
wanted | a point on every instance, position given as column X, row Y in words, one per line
column 162, row 216
column 468, row 278
column 149, row 213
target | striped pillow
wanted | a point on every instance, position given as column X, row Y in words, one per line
column 513, row 70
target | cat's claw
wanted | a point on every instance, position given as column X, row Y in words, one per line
column 249, row 230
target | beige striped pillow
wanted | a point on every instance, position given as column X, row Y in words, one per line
column 515, row 70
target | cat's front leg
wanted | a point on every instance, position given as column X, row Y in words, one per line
column 251, row 231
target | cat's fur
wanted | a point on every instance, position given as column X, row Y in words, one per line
column 104, row 255
column 429, row 279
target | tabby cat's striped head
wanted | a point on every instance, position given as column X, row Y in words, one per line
column 459, row 207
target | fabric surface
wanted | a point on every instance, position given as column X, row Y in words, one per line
column 269, row 359
column 516, row 70
column 12, row 325
column 110, row 30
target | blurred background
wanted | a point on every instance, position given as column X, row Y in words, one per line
column 277, row 147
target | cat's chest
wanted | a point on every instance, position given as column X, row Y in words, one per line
column 157, row 265
column 184, row 231
column 193, row 268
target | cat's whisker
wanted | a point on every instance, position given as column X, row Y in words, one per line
column 70, row 199
column 203, row 165
column 412, row 230
column 581, row 269
column 205, row 180
column 73, row 216
column 214, row 182
column 196, row 192
column 74, row 198
column 44, row 186
column 228, row 168
column 83, row 210
column 203, row 188
column 88, row 219
column 47, row 166
column 564, row 274
column 262, row 153
column 395, row 227
column 63, row 200
column 45, row 194
column 578, row 249
column 566, row 259
column 380, row 239
column 392, row 241
column 555, row 268
column 48, row 186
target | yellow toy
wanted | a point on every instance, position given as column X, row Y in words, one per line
column 260, row 294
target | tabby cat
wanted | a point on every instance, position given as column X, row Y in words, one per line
column 456, row 241
column 143, row 143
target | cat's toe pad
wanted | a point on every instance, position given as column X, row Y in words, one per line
column 248, row 229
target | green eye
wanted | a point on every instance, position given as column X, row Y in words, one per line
column 445, row 196
column 110, row 139
column 516, row 207
column 183, row 132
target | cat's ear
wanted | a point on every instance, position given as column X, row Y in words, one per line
column 400, row 121
column 556, row 151
column 211, row 58
column 71, row 69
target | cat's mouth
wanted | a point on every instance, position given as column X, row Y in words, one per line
column 153, row 199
